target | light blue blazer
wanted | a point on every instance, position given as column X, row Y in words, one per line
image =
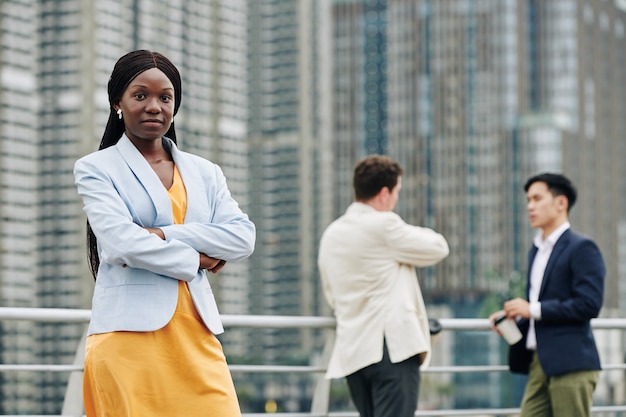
column 136, row 289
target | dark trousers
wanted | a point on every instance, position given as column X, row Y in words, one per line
column 386, row 389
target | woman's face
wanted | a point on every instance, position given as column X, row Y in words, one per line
column 148, row 105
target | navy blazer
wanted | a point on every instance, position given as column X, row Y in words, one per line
column 137, row 285
column 571, row 295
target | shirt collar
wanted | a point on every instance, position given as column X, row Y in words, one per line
column 550, row 241
column 360, row 207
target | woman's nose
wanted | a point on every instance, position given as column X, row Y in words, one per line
column 153, row 105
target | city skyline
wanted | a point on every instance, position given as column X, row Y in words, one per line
column 471, row 97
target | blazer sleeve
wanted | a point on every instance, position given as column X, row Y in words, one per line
column 228, row 233
column 414, row 245
column 120, row 240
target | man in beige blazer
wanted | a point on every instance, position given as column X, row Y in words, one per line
column 367, row 261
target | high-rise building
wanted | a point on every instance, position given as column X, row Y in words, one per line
column 19, row 211
column 572, row 119
column 433, row 84
column 576, row 103
column 451, row 88
column 471, row 97
column 284, row 199
column 282, row 154
column 55, row 61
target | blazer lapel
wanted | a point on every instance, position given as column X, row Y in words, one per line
column 149, row 179
column 559, row 246
column 197, row 203
column 531, row 257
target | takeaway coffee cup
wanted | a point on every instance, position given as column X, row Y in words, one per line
column 435, row 330
column 508, row 329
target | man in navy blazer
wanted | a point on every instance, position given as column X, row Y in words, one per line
column 564, row 292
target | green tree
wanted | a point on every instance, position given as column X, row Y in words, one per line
column 504, row 288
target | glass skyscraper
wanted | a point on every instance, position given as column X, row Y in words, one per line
column 471, row 97
column 55, row 60
column 19, row 180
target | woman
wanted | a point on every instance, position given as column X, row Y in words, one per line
column 158, row 218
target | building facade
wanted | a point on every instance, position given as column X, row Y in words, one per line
column 55, row 60
column 471, row 97
column 19, row 257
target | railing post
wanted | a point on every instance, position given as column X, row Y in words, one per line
column 321, row 396
column 73, row 402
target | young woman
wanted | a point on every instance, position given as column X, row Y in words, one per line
column 158, row 219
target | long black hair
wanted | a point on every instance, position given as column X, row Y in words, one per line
column 126, row 69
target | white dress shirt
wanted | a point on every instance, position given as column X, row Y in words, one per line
column 537, row 271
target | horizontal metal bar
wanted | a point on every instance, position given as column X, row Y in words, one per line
column 277, row 322
column 288, row 415
column 475, row 412
column 439, row 413
column 67, row 315
column 419, row 413
column 53, row 315
column 290, row 368
column 263, row 321
column 40, row 368
column 46, row 315
column 493, row 412
column 276, row 369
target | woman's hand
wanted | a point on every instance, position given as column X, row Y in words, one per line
column 156, row 231
column 211, row 264
column 206, row 262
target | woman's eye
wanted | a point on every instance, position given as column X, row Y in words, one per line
column 166, row 99
column 140, row 96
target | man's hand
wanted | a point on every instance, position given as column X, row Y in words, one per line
column 517, row 307
column 492, row 319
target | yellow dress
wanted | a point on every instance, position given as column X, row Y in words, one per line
column 179, row 370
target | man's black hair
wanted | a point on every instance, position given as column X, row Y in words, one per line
column 558, row 184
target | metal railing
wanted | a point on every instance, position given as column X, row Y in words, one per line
column 73, row 401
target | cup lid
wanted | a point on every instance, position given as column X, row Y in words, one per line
column 499, row 319
column 434, row 325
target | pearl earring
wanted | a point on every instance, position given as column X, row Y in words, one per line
column 119, row 114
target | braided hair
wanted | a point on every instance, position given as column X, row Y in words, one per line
column 126, row 69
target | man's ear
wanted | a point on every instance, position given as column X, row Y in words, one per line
column 563, row 202
column 384, row 192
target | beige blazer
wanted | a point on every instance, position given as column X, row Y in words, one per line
column 367, row 261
